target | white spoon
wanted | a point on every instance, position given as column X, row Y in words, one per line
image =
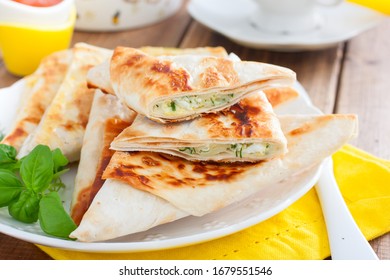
column 345, row 238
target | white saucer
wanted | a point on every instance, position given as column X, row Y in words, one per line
column 231, row 18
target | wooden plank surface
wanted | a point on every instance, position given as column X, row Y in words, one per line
column 351, row 77
column 365, row 88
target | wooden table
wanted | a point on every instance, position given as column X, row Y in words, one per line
column 352, row 77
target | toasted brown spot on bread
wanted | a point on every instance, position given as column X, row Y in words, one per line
column 171, row 172
column 218, row 73
column 14, row 136
column 112, row 128
column 310, row 126
column 278, row 96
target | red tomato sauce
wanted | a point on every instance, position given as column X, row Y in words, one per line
column 39, row 3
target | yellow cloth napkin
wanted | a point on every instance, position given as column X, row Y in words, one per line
column 382, row 6
column 299, row 231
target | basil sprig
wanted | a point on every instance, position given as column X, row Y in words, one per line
column 29, row 188
column 10, row 187
column 8, row 157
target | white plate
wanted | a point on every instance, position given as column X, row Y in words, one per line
column 189, row 230
column 232, row 19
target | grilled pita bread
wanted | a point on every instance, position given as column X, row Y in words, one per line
column 107, row 119
column 119, row 209
column 99, row 76
column 248, row 131
column 63, row 124
column 170, row 187
column 40, row 89
column 182, row 87
column 280, row 96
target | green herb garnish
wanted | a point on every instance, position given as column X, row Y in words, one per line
column 8, row 157
column 29, row 187
column 191, row 150
column 238, row 148
column 10, row 187
column 53, row 218
column 173, row 105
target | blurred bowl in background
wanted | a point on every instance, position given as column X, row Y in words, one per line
column 18, row 13
column 115, row 15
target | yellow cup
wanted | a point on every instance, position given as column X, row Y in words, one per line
column 23, row 46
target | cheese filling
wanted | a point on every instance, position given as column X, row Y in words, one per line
column 236, row 150
column 189, row 104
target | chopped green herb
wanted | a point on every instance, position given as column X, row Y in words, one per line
column 238, row 148
column 190, row 150
column 173, row 105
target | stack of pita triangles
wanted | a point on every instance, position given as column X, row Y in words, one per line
column 188, row 132
column 179, row 132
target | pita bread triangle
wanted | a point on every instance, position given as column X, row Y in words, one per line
column 182, row 87
column 64, row 121
column 40, row 89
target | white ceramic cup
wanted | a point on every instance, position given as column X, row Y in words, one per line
column 289, row 16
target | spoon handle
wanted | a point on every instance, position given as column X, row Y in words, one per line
column 345, row 238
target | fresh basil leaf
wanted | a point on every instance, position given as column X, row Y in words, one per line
column 10, row 187
column 53, row 218
column 59, row 160
column 7, row 152
column 26, row 208
column 7, row 157
column 10, row 166
column 14, row 166
column 36, row 169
